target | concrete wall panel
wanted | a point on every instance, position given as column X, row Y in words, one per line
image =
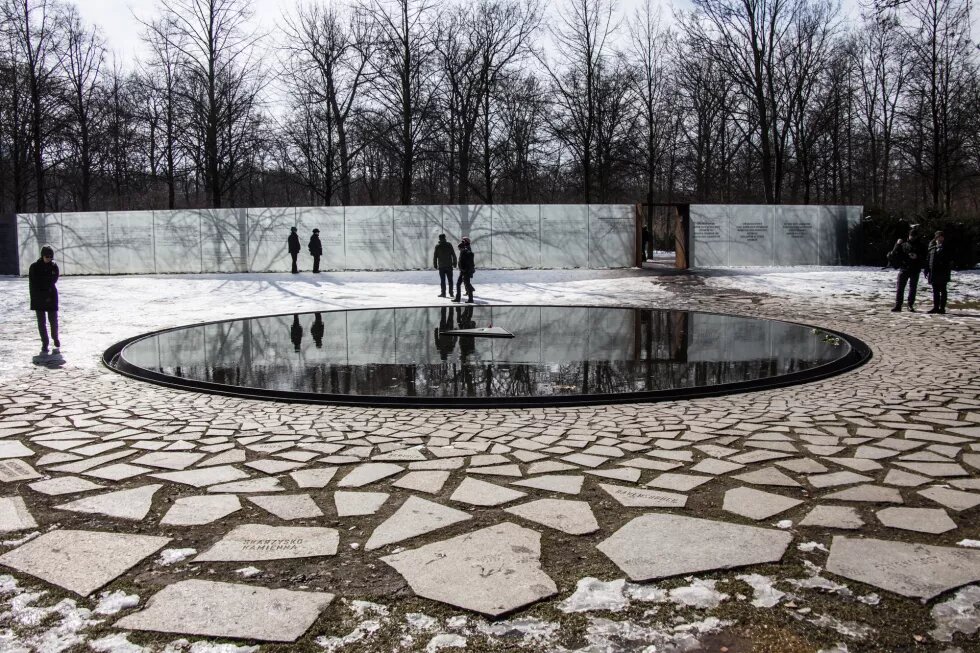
column 177, row 235
column 131, row 242
column 268, row 230
column 751, row 231
column 224, row 240
column 369, row 237
column 516, row 236
column 33, row 232
column 417, row 230
column 84, row 243
column 565, row 236
column 612, row 234
column 330, row 221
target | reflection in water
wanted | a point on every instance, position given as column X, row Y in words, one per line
column 556, row 351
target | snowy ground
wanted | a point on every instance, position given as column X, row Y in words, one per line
column 99, row 311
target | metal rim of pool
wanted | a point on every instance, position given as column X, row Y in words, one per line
column 858, row 354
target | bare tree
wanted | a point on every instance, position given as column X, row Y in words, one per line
column 403, row 88
column 327, row 65
column 217, row 53
column 82, row 66
column 162, row 81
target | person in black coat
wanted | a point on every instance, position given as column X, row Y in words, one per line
column 316, row 250
column 467, row 267
column 938, row 271
column 647, row 244
column 910, row 256
column 296, row 333
column 444, row 260
column 42, row 277
column 293, row 244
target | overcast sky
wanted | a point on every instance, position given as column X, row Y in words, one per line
column 121, row 28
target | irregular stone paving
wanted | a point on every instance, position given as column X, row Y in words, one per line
column 875, row 475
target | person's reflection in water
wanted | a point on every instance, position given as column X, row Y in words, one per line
column 317, row 330
column 445, row 344
column 296, row 333
column 467, row 347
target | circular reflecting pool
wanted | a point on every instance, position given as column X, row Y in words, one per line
column 445, row 355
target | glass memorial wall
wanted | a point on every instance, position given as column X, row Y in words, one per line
column 724, row 235
column 353, row 238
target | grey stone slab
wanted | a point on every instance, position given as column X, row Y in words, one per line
column 756, row 504
column 660, row 545
column 317, row 477
column 353, row 504
column 867, row 494
column 250, row 542
column 767, row 476
column 248, row 486
column 369, row 473
column 921, row 520
column 204, row 477
column 491, row 571
column 843, row 517
column 14, row 449
column 202, row 607
column 937, row 470
column 195, row 511
column 858, row 464
column 123, row 504
column 230, row 457
column 953, row 499
column 81, row 561
column 645, row 463
column 14, row 515
column 802, row 466
column 572, row 517
column 835, row 479
column 714, row 467
column 564, row 483
column 415, row 517
column 679, row 482
column 175, row 460
column 288, row 506
column 513, row 471
column 481, row 493
column 273, row 466
column 633, row 497
column 117, row 472
column 15, row 469
column 548, row 466
column 64, row 485
column 585, row 460
column 628, row 474
column 430, row 481
column 760, row 456
column 919, row 571
column 902, row 478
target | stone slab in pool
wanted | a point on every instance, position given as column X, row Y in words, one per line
column 558, row 355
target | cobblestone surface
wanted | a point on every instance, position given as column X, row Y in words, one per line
column 894, row 446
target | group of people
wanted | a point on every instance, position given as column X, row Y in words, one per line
column 444, row 259
column 912, row 256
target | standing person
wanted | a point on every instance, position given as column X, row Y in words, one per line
column 42, row 278
column 444, row 260
column 910, row 257
column 296, row 333
column 938, row 271
column 466, row 269
column 317, row 330
column 293, row 243
column 647, row 244
column 316, row 250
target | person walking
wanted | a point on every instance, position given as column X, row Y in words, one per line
column 910, row 257
column 647, row 242
column 42, row 278
column 293, row 244
column 316, row 250
column 938, row 271
column 444, row 260
column 467, row 267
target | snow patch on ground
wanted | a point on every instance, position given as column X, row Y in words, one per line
column 421, row 623
column 846, row 628
column 810, row 547
column 118, row 643
column 248, row 572
column 113, row 602
column 527, row 629
column 593, row 594
column 699, row 594
column 608, row 636
column 362, row 631
column 764, row 594
column 973, row 544
column 64, row 621
column 361, row 608
column 173, row 556
column 445, row 640
column 960, row 614
column 201, row 646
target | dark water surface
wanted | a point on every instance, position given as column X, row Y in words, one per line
column 557, row 353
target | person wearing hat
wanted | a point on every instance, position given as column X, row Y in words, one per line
column 467, row 267
column 938, row 271
column 42, row 277
column 316, row 250
column 444, row 260
column 293, row 244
